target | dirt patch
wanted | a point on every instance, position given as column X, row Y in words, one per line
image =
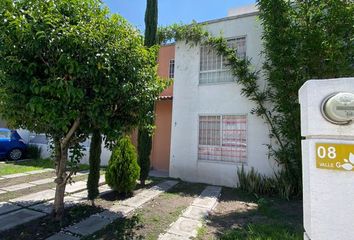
column 236, row 210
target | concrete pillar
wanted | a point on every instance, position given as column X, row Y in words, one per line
column 328, row 163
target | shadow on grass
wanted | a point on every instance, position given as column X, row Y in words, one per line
column 44, row 227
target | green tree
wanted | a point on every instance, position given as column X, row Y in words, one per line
column 69, row 66
column 303, row 40
column 144, row 134
column 123, row 169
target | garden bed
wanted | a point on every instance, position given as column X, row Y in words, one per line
column 240, row 216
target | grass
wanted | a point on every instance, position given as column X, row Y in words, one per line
column 25, row 166
column 30, row 165
column 274, row 231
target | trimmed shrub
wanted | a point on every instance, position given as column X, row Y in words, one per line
column 33, row 151
column 123, row 169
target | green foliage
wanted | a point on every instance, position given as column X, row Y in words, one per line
column 123, row 169
column 69, row 66
column 256, row 183
column 33, row 151
column 262, row 231
column 73, row 59
column 95, row 163
column 144, row 151
column 144, row 133
column 151, row 19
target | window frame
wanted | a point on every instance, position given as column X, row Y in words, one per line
column 169, row 68
column 222, row 61
column 221, row 161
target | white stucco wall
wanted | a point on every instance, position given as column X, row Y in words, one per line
column 192, row 100
column 46, row 151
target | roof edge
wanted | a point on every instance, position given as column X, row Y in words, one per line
column 255, row 13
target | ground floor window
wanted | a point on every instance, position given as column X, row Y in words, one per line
column 223, row 138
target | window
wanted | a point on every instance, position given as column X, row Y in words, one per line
column 171, row 72
column 213, row 67
column 223, row 138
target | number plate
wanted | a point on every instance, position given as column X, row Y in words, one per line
column 335, row 156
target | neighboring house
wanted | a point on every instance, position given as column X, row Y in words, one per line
column 213, row 132
column 160, row 154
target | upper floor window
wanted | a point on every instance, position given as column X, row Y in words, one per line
column 171, row 71
column 213, row 67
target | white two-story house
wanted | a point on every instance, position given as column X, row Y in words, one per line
column 213, row 131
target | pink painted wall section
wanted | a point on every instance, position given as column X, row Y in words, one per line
column 166, row 53
column 160, row 156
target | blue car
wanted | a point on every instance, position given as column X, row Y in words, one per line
column 12, row 145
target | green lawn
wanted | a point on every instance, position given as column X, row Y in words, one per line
column 30, row 165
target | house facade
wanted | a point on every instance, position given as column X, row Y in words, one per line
column 213, row 132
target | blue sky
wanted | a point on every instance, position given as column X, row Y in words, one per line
column 175, row 11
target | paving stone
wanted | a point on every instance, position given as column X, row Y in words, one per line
column 81, row 195
column 47, row 207
column 14, row 175
column 89, row 225
column 43, row 181
column 196, row 213
column 17, row 187
column 75, row 187
column 102, row 179
column 170, row 236
column 1, row 191
column 104, row 189
column 7, row 207
column 34, row 198
column 136, row 201
column 41, row 171
column 185, row 227
column 18, row 217
column 205, row 202
column 211, row 191
column 62, row 236
column 151, row 193
column 124, row 210
column 166, row 185
column 110, row 215
column 85, row 172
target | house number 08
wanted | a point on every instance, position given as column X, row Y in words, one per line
column 329, row 152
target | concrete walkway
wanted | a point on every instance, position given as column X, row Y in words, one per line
column 35, row 205
column 187, row 225
column 15, row 175
column 22, row 186
column 98, row 221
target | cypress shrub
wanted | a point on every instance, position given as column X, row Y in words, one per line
column 144, row 150
column 123, row 169
column 95, row 162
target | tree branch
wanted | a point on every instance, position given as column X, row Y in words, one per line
column 71, row 132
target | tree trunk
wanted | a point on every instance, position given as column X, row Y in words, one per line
column 95, row 162
column 61, row 183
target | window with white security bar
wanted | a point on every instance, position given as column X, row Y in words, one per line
column 171, row 72
column 223, row 138
column 213, row 67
